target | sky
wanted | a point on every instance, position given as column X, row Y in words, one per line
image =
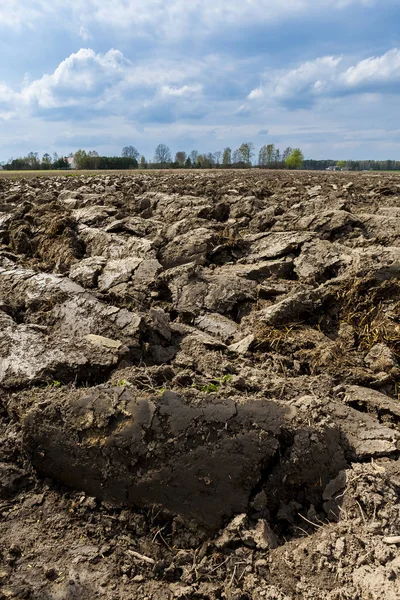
column 200, row 74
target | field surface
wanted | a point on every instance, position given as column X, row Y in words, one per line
column 199, row 379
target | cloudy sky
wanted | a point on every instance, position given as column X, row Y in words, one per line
column 200, row 74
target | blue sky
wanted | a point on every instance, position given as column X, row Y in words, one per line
column 204, row 74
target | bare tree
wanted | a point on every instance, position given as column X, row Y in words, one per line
column 236, row 157
column 130, row 152
column 262, row 156
column 286, row 153
column 210, row 158
column 162, row 155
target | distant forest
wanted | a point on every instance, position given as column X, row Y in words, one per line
column 269, row 157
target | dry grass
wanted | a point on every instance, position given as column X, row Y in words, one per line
column 275, row 339
column 373, row 310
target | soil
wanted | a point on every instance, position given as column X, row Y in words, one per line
column 199, row 379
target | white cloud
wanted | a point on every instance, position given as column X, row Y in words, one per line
column 185, row 90
column 78, row 79
column 330, row 77
column 373, row 72
column 8, row 99
column 7, row 95
column 87, row 84
column 110, row 83
column 308, row 80
column 17, row 13
column 256, row 93
column 84, row 33
column 171, row 17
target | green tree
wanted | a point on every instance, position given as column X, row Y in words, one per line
column 180, row 158
column 270, row 154
column 267, row 155
column 80, row 158
column 246, row 152
column 295, row 160
column 92, row 161
column 46, row 161
column 227, row 157
column 61, row 163
column 143, row 163
column 286, row 153
column 33, row 160
column 205, row 161
column 341, row 164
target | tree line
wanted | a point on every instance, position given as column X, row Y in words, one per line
column 32, row 162
column 81, row 160
column 269, row 157
column 242, row 157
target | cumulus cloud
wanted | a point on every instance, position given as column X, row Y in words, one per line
column 87, row 84
column 109, row 83
column 330, row 77
column 301, row 85
column 79, row 79
column 374, row 74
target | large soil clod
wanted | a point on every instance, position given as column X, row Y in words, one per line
column 200, row 461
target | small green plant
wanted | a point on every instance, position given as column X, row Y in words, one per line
column 120, row 383
column 54, row 384
column 215, row 385
column 210, row 387
column 226, row 378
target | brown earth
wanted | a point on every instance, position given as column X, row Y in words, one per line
column 199, row 378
